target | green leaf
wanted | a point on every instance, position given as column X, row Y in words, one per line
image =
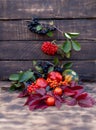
column 67, row 46
column 14, row 77
column 68, row 65
column 26, row 76
column 12, row 88
column 50, row 69
column 73, row 34
column 33, row 78
column 38, row 27
column 68, row 54
column 67, row 36
column 76, row 46
column 39, row 69
column 50, row 34
column 34, row 62
column 17, row 85
column 56, row 61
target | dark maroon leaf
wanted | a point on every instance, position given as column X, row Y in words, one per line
column 68, row 92
column 44, row 97
column 63, row 87
column 24, row 93
column 41, row 106
column 50, row 93
column 32, row 98
column 58, row 98
column 34, row 102
column 28, row 100
column 32, row 107
column 78, row 92
column 58, row 104
column 71, row 102
column 82, row 96
column 77, row 87
column 87, row 102
column 41, row 91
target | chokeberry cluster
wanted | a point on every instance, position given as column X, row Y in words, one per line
column 40, row 28
column 45, row 66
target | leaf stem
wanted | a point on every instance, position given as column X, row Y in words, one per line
column 59, row 29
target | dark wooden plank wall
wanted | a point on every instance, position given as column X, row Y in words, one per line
column 18, row 46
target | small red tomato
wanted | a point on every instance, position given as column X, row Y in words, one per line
column 50, row 101
column 42, row 83
column 55, row 76
column 58, row 91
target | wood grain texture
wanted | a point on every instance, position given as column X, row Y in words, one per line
column 81, row 67
column 22, row 9
column 29, row 50
column 17, row 30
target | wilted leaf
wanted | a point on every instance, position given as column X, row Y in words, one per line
column 51, row 23
column 68, row 54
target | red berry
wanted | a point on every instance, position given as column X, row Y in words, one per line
column 49, row 48
column 42, row 83
column 50, row 101
column 58, row 91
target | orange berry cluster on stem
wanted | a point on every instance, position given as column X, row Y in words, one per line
column 32, row 88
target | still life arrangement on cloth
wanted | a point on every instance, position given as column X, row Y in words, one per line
column 51, row 83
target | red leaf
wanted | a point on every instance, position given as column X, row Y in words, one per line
column 34, row 102
column 69, row 92
column 24, row 93
column 32, row 107
column 41, row 91
column 50, row 93
column 58, row 98
column 32, row 98
column 58, row 104
column 44, row 97
column 82, row 96
column 41, row 106
column 87, row 102
column 71, row 102
column 77, row 87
